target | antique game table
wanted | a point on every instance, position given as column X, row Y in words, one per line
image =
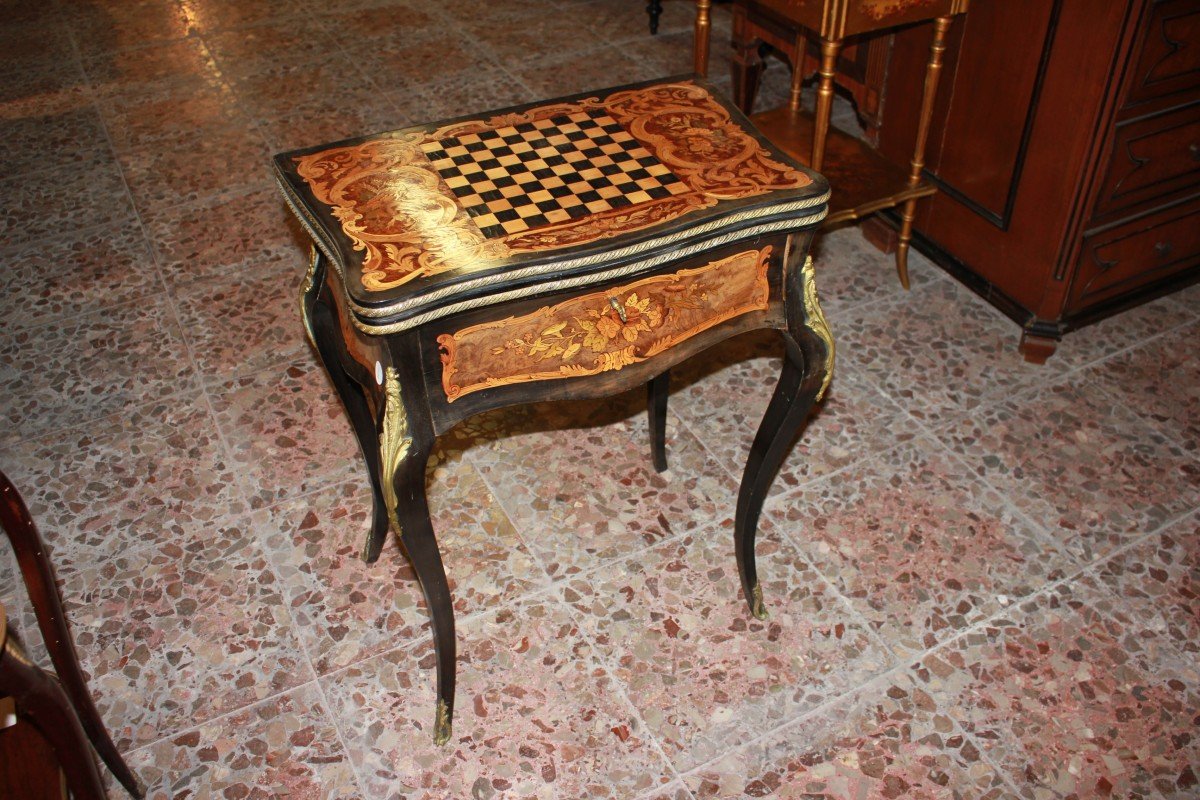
column 565, row 249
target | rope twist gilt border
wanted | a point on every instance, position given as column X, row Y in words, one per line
column 313, row 228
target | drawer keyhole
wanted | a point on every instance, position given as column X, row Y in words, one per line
column 619, row 308
column 1164, row 249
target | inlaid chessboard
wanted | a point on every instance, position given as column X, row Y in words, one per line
column 551, row 170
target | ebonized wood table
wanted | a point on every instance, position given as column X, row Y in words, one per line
column 566, row 249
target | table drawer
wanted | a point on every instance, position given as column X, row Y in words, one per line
column 603, row 330
column 1168, row 57
column 1145, row 250
column 835, row 19
column 1151, row 158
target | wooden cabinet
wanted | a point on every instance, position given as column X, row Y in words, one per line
column 1066, row 151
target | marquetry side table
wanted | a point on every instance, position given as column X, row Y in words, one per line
column 566, row 249
column 864, row 182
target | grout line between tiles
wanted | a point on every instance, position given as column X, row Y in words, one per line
column 554, row 590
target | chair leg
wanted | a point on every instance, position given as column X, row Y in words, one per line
column 38, row 575
column 657, row 391
column 41, row 701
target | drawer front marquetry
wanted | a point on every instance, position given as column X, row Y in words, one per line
column 1169, row 60
column 603, row 331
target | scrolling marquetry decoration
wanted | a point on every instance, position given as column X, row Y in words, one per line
column 398, row 210
column 604, row 331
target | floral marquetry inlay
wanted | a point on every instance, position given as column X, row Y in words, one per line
column 604, row 331
column 419, row 203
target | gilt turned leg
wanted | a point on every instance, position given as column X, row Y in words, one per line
column 657, row 391
column 824, row 109
column 405, row 441
column 933, row 72
column 38, row 575
column 324, row 334
column 807, row 370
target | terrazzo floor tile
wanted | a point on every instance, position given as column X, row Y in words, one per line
column 244, row 230
column 181, row 64
column 404, row 64
column 250, row 49
column 537, row 716
column 888, row 741
column 174, row 635
column 139, row 119
column 111, row 27
column 73, row 275
column 586, row 495
column 724, row 409
column 1157, row 583
column 921, row 548
column 68, row 372
column 243, row 323
column 573, row 71
column 71, row 138
column 195, row 168
column 61, row 201
column 283, row 747
column 705, row 675
column 294, row 131
column 321, row 88
column 149, row 474
column 1110, row 336
column 347, row 610
column 851, row 272
column 936, row 352
column 1160, row 382
column 466, row 94
column 1065, row 703
column 287, row 432
column 509, row 38
column 221, row 15
column 1076, row 461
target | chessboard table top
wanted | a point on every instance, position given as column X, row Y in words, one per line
column 427, row 215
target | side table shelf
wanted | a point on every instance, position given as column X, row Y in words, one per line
column 863, row 181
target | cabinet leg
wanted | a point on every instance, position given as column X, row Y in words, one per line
column 657, row 391
column 1035, row 348
column 827, row 71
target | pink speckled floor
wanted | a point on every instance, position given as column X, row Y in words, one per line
column 982, row 575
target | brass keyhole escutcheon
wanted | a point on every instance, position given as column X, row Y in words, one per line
column 619, row 308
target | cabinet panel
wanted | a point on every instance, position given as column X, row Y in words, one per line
column 1169, row 58
column 1151, row 158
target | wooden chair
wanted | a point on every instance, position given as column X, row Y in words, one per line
column 61, row 710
